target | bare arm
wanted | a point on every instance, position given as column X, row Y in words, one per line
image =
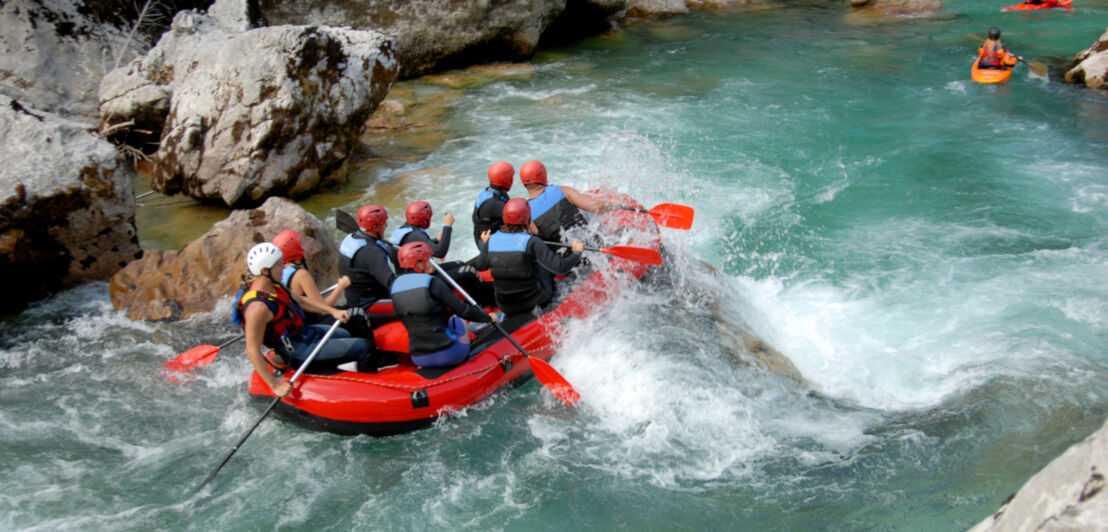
column 257, row 316
column 586, row 203
column 318, row 306
column 302, row 283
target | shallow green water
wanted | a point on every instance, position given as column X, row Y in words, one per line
column 927, row 252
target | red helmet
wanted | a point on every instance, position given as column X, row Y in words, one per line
column 532, row 172
column 418, row 214
column 517, row 212
column 411, row 253
column 288, row 241
column 370, row 216
column 500, row 174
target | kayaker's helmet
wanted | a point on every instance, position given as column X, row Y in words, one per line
column 500, row 174
column 532, row 172
column 517, row 212
column 412, row 253
column 288, row 241
column 372, row 217
column 262, row 256
column 418, row 214
column 994, row 33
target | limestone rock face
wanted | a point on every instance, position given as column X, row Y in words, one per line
column 53, row 53
column 1070, row 493
column 433, row 34
column 171, row 285
column 1091, row 65
column 248, row 115
column 67, row 209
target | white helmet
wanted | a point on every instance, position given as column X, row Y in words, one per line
column 261, row 256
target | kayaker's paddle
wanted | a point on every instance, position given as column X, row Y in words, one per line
column 669, row 215
column 273, row 404
column 1037, row 68
column 202, row 355
column 635, row 253
column 545, row 373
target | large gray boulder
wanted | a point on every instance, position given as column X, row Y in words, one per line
column 246, row 115
column 1068, row 494
column 1091, row 65
column 48, row 53
column 67, row 213
column 53, row 53
column 434, row 34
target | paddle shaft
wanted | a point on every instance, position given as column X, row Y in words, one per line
column 563, row 245
column 273, row 404
column 450, row 280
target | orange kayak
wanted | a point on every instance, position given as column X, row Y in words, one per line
column 990, row 75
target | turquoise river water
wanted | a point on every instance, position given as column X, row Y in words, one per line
column 927, row 253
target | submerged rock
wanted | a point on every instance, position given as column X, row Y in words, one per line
column 1091, row 65
column 67, row 213
column 878, row 9
column 166, row 284
column 248, row 115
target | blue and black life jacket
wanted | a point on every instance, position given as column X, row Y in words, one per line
column 364, row 287
column 551, row 211
column 424, row 317
column 487, row 223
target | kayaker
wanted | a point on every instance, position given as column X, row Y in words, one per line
column 555, row 208
column 299, row 280
column 522, row 266
column 430, row 311
column 992, row 54
column 278, row 321
column 417, row 219
column 489, row 208
column 365, row 258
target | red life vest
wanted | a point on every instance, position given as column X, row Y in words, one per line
column 287, row 320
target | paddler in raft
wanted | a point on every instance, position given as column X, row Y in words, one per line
column 993, row 55
column 522, row 266
column 488, row 210
column 555, row 208
column 296, row 277
column 430, row 311
column 417, row 219
column 271, row 316
column 366, row 258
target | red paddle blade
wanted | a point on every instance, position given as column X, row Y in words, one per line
column 672, row 215
column 197, row 357
column 554, row 381
column 637, row 254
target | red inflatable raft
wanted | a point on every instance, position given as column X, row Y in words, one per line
column 404, row 397
column 1062, row 4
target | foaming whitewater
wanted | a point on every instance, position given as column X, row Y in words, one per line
column 889, row 312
